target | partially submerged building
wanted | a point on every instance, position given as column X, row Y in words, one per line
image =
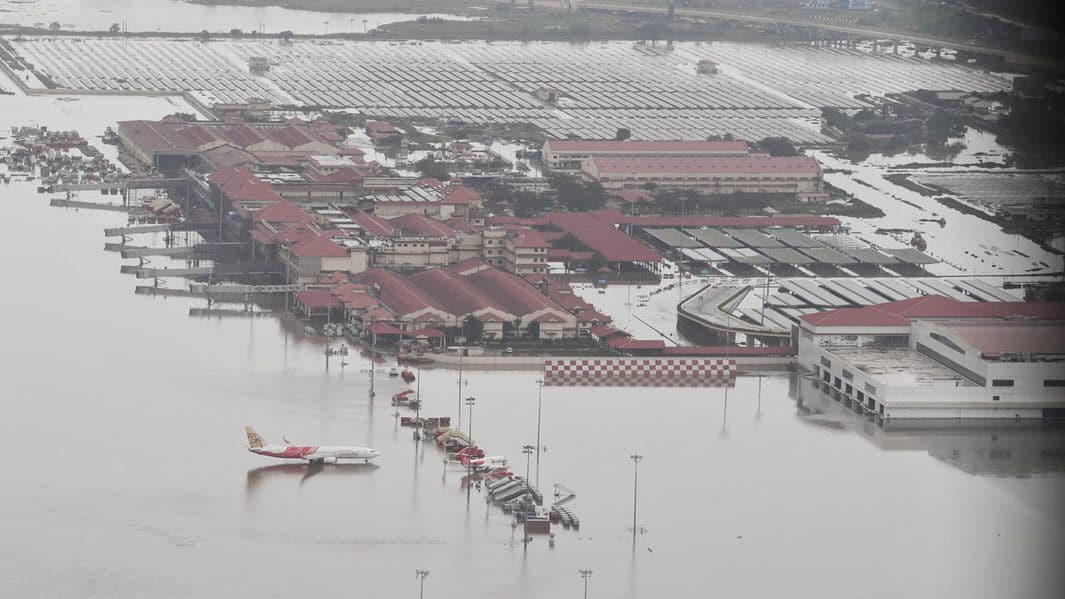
column 718, row 174
column 935, row 357
column 570, row 154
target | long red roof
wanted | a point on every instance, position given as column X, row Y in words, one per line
column 700, row 164
column 780, row 220
column 319, row 247
column 419, row 224
column 399, row 293
column 602, row 237
column 373, row 225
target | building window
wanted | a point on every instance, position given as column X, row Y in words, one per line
column 870, row 389
column 826, row 362
column 1001, row 382
column 1054, row 383
column 994, row 398
column 847, row 375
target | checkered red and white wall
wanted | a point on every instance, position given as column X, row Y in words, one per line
column 647, row 372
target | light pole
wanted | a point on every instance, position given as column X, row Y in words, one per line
column 462, row 350
column 373, row 354
column 418, row 410
column 527, row 450
column 585, row 574
column 469, row 459
column 636, row 459
column 539, row 406
column 422, row 575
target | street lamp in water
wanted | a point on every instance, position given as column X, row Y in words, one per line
column 636, row 459
column 469, row 459
column 585, row 574
column 423, row 574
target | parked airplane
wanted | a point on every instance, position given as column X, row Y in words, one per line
column 313, row 454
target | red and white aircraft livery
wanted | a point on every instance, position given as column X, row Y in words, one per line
column 314, row 454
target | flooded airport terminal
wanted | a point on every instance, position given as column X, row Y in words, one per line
column 329, row 313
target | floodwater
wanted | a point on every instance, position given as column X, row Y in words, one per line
column 127, row 475
column 178, row 16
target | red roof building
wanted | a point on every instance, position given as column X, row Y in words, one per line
column 283, row 212
column 900, row 313
column 421, row 226
column 719, row 174
column 319, row 247
column 602, row 237
column 569, row 153
column 373, row 226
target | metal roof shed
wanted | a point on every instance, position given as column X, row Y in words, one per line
column 794, row 238
column 828, row 255
column 753, row 238
column 912, row 256
column 713, row 238
column 787, row 256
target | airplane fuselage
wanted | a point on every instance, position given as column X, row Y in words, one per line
column 318, row 453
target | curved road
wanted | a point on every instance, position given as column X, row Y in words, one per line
column 1009, row 56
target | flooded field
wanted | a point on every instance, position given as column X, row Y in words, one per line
column 992, row 191
column 654, row 92
column 179, row 16
column 138, row 484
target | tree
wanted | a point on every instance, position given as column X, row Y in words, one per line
column 54, row 26
column 431, row 167
column 115, row 28
column 534, row 329
column 622, row 134
column 235, row 32
column 472, row 329
column 778, row 146
column 578, row 196
column 205, row 36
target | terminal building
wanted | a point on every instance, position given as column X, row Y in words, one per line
column 717, row 174
column 935, row 357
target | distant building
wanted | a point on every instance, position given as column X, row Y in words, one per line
column 525, row 252
column 173, row 143
column 706, row 67
column 547, row 94
column 258, row 65
column 719, row 174
column 934, row 357
column 570, row 154
column 382, row 132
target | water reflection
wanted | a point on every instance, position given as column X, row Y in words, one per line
column 256, row 476
column 1002, row 448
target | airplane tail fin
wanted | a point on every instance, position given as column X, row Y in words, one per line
column 254, row 440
